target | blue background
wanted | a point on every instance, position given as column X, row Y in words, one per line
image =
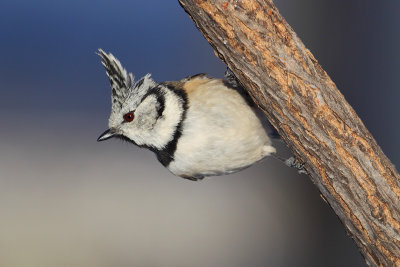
column 66, row 200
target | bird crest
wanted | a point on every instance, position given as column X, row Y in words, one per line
column 123, row 86
column 120, row 80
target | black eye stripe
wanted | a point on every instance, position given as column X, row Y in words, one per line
column 161, row 102
column 160, row 97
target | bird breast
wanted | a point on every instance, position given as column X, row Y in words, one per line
column 221, row 132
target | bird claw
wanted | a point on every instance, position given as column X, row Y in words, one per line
column 292, row 162
column 231, row 78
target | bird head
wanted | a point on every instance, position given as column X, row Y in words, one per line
column 138, row 109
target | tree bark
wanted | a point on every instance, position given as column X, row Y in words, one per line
column 312, row 117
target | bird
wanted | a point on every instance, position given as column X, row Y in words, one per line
column 198, row 126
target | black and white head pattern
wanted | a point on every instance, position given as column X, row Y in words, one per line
column 158, row 109
column 123, row 88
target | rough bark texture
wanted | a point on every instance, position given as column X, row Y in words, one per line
column 311, row 115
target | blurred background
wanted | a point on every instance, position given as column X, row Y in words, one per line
column 66, row 200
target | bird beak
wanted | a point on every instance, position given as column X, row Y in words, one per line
column 106, row 135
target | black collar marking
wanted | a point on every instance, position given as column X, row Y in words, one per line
column 165, row 155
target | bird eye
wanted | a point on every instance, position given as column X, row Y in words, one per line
column 128, row 117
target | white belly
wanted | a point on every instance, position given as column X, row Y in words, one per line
column 221, row 134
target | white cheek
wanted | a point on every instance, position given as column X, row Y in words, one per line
column 164, row 127
column 130, row 103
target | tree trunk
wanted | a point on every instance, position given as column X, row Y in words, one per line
column 312, row 117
